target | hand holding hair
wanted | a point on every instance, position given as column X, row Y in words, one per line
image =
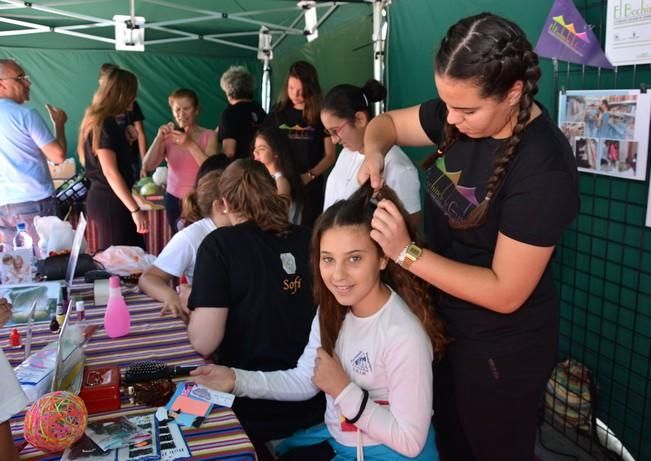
column 217, row 377
column 329, row 375
column 372, row 167
column 389, row 229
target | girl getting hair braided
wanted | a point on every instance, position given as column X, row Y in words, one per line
column 500, row 191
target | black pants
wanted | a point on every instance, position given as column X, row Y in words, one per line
column 172, row 210
column 486, row 402
column 113, row 221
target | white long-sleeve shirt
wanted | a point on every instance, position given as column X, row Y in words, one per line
column 389, row 354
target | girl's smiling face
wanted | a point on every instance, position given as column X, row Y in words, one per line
column 350, row 265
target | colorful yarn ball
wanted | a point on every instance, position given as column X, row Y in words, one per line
column 55, row 421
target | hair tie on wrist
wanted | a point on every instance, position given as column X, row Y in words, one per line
column 361, row 408
column 135, row 211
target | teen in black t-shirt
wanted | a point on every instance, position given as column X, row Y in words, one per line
column 500, row 191
column 296, row 114
column 105, row 148
column 251, row 297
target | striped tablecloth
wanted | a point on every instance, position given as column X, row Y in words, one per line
column 220, row 437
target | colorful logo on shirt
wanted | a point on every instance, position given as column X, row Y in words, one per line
column 361, row 363
column 298, row 132
column 443, row 187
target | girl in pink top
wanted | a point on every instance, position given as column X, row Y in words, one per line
column 185, row 146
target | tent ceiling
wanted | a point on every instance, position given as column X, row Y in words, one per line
column 207, row 27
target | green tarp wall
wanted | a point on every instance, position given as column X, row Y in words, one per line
column 603, row 265
column 68, row 79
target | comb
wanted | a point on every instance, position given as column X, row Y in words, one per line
column 149, row 370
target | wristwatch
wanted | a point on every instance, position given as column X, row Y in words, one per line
column 408, row 255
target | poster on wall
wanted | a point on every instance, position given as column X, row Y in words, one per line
column 608, row 130
column 628, row 32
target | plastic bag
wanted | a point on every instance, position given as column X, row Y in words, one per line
column 125, row 260
column 55, row 235
column 160, row 176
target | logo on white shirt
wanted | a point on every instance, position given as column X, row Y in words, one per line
column 361, row 363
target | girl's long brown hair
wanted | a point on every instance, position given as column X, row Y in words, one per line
column 358, row 211
column 306, row 73
column 251, row 192
column 112, row 98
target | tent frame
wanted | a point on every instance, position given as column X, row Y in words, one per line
column 265, row 54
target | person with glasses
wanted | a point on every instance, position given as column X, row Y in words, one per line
column 27, row 144
column 346, row 112
column 296, row 114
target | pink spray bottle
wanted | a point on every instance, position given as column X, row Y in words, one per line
column 116, row 319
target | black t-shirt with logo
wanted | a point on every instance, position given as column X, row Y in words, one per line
column 240, row 122
column 263, row 279
column 537, row 201
column 305, row 140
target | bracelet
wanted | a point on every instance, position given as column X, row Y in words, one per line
column 361, row 408
column 134, row 211
column 311, row 175
column 403, row 254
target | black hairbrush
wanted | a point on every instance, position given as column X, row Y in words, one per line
column 148, row 370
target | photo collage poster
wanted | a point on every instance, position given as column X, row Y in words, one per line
column 608, row 130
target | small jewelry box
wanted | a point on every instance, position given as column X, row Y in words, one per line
column 100, row 388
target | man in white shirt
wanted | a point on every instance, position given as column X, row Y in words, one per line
column 26, row 144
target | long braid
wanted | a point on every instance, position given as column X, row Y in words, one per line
column 495, row 54
column 450, row 134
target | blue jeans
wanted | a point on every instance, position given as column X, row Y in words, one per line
column 14, row 213
column 320, row 433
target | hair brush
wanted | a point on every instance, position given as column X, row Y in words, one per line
column 148, row 370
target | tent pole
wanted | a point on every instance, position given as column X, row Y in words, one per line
column 265, row 54
column 266, row 84
column 379, row 30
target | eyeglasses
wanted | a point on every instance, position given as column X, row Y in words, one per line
column 337, row 131
column 19, row 78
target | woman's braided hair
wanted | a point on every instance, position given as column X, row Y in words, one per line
column 493, row 53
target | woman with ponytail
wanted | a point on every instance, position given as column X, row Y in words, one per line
column 500, row 191
column 346, row 112
column 204, row 207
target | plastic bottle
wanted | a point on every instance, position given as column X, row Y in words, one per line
column 22, row 239
column 80, row 310
column 116, row 319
